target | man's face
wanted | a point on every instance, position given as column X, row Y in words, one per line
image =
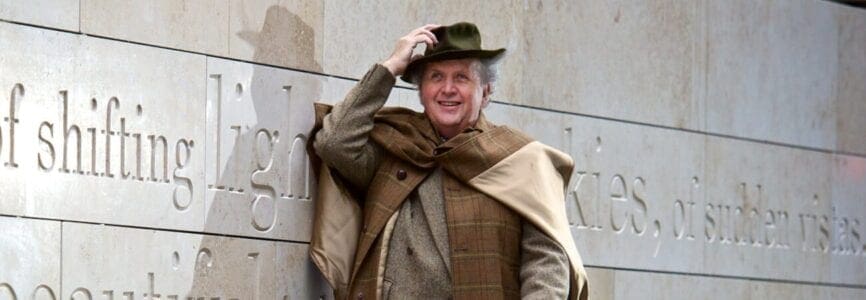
column 452, row 94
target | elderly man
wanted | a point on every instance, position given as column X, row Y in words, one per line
column 448, row 204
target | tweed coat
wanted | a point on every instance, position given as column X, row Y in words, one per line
column 410, row 180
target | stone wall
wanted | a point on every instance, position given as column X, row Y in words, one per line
column 155, row 149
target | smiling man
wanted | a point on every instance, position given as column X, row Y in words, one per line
column 440, row 204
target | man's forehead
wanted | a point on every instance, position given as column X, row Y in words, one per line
column 451, row 64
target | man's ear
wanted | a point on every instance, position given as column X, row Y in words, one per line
column 486, row 91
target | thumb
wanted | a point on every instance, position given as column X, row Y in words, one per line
column 416, row 56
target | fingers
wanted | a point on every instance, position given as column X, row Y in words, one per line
column 426, row 30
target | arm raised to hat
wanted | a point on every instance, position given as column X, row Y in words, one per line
column 405, row 47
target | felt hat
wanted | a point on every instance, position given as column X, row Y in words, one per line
column 456, row 41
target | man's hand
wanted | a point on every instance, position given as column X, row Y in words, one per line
column 406, row 45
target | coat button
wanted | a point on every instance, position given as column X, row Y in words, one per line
column 360, row 296
column 401, row 174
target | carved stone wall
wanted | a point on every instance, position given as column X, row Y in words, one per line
column 155, row 149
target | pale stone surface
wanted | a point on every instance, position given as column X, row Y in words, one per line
column 194, row 25
column 102, row 261
column 633, row 61
column 61, row 14
column 635, row 190
column 771, row 71
column 224, row 208
column 851, row 90
column 29, row 259
column 756, row 195
column 259, row 181
column 601, row 283
column 286, row 33
column 360, row 33
column 106, row 131
column 846, row 223
column 647, row 285
column 757, row 210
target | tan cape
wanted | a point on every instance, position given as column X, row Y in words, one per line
column 535, row 171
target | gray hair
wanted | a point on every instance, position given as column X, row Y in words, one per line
column 486, row 68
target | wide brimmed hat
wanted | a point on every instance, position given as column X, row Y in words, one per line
column 457, row 41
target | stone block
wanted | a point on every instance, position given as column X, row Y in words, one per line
column 194, row 25
column 764, row 209
column 106, row 261
column 650, row 285
column 601, row 283
column 358, row 34
column 635, row 190
column 335, row 89
column 259, row 181
column 60, row 14
column 771, row 69
column 851, row 92
column 633, row 61
column 29, row 259
column 845, row 225
column 278, row 32
column 101, row 131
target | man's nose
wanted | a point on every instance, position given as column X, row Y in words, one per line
column 450, row 88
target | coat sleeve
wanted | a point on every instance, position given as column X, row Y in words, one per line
column 544, row 268
column 344, row 142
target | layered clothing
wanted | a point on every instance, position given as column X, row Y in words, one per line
column 493, row 220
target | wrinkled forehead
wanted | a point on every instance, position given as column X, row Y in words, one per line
column 452, row 65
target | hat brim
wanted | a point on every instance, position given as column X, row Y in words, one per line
column 415, row 65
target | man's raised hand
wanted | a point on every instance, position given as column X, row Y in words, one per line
column 402, row 55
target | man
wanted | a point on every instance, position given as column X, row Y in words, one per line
column 453, row 206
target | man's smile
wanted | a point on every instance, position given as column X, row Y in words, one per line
column 448, row 103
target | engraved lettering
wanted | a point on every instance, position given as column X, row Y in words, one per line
column 299, row 163
column 257, row 277
column 855, row 238
column 81, row 291
column 709, row 223
column 12, row 120
column 824, row 234
column 581, row 222
column 217, row 132
column 9, row 290
column 152, row 294
column 618, row 190
column 92, row 151
column 639, row 226
column 123, row 173
column 67, row 132
column 679, row 219
column 137, row 137
column 769, row 228
column 182, row 183
column 154, row 142
column 46, row 291
column 108, row 134
column 46, row 146
column 263, row 208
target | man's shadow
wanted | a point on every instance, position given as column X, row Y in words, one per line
column 259, row 181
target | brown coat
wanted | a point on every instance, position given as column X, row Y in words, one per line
column 484, row 232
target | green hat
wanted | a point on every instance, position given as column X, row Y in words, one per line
column 457, row 41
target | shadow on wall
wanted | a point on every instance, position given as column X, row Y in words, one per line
column 284, row 40
column 262, row 183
